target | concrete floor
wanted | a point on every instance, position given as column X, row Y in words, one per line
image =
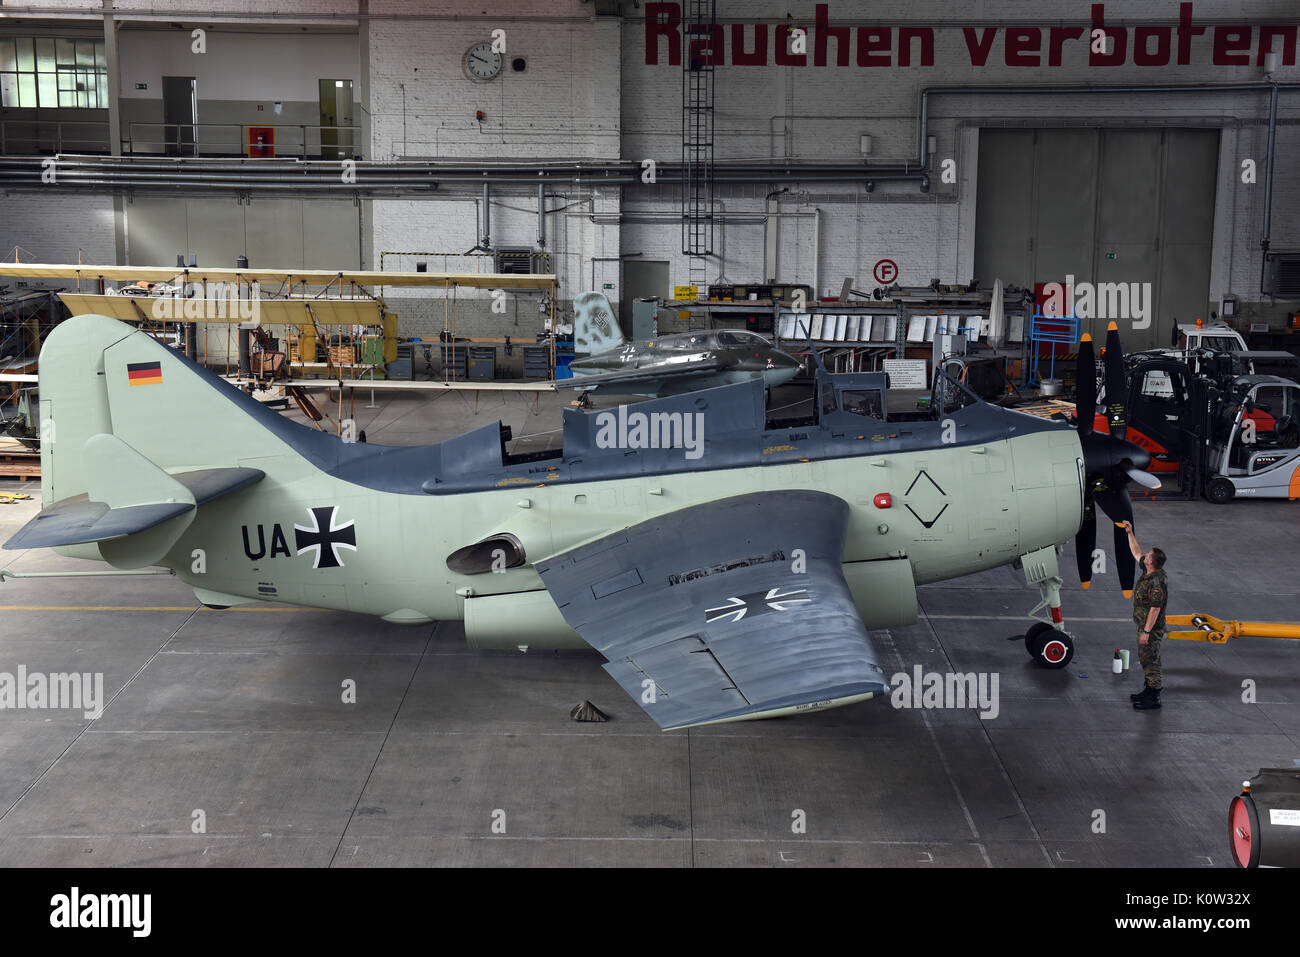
column 238, row 714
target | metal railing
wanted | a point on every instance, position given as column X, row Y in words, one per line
column 232, row 139
column 35, row 137
column 31, row 137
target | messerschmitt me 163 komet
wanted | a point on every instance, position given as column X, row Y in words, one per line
column 727, row 566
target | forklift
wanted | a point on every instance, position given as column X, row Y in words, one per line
column 1254, row 443
column 1221, row 432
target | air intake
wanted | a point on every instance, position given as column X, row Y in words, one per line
column 1283, row 274
column 494, row 554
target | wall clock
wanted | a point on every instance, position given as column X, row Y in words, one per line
column 481, row 63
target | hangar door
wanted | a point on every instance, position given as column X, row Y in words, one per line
column 1103, row 205
column 273, row 233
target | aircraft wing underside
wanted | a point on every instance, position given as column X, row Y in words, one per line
column 733, row 609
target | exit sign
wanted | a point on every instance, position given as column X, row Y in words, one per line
column 609, row 285
column 142, row 86
column 1111, row 256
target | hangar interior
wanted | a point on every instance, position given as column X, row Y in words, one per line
column 704, row 166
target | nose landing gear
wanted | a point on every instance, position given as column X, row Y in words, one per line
column 1047, row 642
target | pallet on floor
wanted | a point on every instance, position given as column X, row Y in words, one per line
column 20, row 465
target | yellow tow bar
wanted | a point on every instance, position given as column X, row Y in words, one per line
column 1217, row 631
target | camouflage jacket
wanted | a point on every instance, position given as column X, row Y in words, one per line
column 1151, row 591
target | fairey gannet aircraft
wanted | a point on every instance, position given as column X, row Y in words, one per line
column 726, row 567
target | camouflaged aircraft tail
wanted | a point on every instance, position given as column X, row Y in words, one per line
column 595, row 329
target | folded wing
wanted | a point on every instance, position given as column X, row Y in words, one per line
column 725, row 611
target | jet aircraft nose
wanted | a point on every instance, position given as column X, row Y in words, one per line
column 785, row 361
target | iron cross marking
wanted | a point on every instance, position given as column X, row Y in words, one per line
column 325, row 537
column 755, row 604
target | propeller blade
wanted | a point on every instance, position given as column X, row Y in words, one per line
column 1125, row 563
column 1116, row 387
column 1143, row 478
column 1085, row 541
column 1115, row 503
column 1085, row 386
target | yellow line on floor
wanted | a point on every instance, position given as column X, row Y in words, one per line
column 141, row 608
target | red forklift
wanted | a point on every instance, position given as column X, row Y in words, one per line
column 1224, row 432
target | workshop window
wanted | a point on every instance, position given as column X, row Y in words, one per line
column 53, row 72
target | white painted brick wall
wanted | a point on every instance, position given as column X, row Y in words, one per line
column 564, row 105
column 51, row 227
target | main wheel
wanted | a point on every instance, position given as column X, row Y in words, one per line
column 1243, row 831
column 1220, row 491
column 1057, row 649
column 1034, row 637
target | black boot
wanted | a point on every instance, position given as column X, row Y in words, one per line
column 1144, row 693
column 1150, row 703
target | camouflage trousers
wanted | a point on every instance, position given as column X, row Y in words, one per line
column 1149, row 655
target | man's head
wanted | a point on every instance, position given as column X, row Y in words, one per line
column 1153, row 559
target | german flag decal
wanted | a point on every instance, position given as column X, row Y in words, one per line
column 144, row 373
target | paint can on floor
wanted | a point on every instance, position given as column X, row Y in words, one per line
column 1117, row 663
column 1124, row 654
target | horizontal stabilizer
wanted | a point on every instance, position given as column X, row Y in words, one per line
column 78, row 520
column 208, row 484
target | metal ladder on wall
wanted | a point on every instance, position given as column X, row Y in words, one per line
column 700, row 20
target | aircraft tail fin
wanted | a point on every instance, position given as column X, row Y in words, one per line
column 595, row 329
column 134, row 438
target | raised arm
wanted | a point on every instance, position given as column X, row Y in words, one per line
column 1132, row 541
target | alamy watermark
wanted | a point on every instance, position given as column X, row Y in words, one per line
column 190, row 302
column 1130, row 301
column 651, row 430
column 38, row 690
column 933, row 689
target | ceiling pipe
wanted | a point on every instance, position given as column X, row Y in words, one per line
column 541, row 216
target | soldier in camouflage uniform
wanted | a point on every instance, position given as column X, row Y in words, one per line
column 1150, row 596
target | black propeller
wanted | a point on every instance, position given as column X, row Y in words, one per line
column 1116, row 388
column 1110, row 461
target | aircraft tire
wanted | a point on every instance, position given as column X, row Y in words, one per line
column 1034, row 639
column 1057, row 649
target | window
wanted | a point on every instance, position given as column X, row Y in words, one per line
column 863, row 402
column 986, row 380
column 53, row 72
column 1156, row 384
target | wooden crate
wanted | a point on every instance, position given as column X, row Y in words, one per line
column 343, row 355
